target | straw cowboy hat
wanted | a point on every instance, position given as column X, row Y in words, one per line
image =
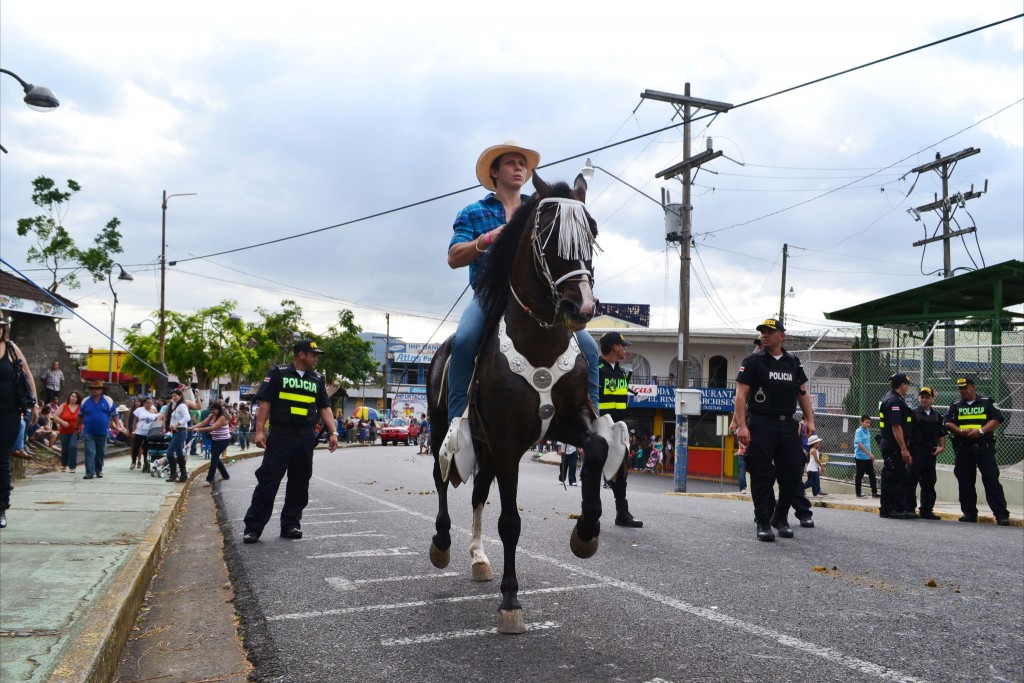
column 96, row 384
column 483, row 164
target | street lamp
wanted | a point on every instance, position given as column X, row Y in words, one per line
column 113, row 314
column 161, row 379
column 285, row 345
column 588, row 172
column 37, row 97
column 138, row 326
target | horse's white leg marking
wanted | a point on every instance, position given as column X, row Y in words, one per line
column 481, row 565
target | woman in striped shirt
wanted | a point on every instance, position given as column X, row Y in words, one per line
column 216, row 423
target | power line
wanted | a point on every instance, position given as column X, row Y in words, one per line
column 595, row 150
column 841, row 187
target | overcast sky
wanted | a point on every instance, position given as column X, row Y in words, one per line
column 290, row 117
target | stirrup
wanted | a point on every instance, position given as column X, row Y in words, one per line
column 457, row 458
column 617, row 436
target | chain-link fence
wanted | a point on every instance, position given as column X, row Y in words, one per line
column 848, row 378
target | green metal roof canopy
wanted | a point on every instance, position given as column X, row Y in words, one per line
column 981, row 293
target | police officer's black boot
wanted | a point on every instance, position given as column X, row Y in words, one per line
column 782, row 525
column 764, row 532
column 623, row 518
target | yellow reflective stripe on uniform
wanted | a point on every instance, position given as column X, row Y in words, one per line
column 300, row 411
column 301, row 398
column 612, row 405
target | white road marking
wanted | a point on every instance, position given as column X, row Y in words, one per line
column 343, row 584
column 378, row 552
column 354, row 512
column 829, row 654
column 420, row 603
column 351, row 534
column 452, row 635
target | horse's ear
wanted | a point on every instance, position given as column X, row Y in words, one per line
column 543, row 189
column 579, row 189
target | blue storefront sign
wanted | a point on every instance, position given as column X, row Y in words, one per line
column 717, row 400
column 653, row 397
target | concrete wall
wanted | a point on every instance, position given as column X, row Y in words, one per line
column 37, row 337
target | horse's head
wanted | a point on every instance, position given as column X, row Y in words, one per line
column 563, row 242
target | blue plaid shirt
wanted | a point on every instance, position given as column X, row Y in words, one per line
column 476, row 219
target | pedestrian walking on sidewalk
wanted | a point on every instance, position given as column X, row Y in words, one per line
column 897, row 423
column 971, row 421
column 814, row 467
column 927, row 444
column 15, row 405
column 216, row 424
column 293, row 397
column 96, row 418
column 67, row 423
column 864, row 458
column 178, row 420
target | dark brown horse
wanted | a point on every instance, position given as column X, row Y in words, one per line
column 530, row 381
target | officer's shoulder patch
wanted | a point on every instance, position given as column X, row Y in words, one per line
column 282, row 368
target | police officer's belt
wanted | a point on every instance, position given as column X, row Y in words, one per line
column 769, row 416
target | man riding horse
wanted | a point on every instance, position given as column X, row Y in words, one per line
column 503, row 169
column 523, row 339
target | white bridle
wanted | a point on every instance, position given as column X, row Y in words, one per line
column 575, row 243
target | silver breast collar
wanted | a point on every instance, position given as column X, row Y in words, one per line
column 542, row 380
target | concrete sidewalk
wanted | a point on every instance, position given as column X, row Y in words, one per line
column 76, row 560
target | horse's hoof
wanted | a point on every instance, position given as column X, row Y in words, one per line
column 580, row 548
column 482, row 572
column 440, row 558
column 510, row 621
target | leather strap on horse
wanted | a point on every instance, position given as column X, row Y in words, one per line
column 542, row 380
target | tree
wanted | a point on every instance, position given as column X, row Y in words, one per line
column 346, row 356
column 55, row 249
column 210, row 342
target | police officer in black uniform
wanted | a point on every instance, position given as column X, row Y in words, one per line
column 614, row 400
column 928, row 442
column 971, row 421
column 896, row 420
column 770, row 384
column 293, row 397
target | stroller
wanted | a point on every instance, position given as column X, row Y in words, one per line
column 157, row 442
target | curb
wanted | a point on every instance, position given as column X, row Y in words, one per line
column 95, row 648
column 946, row 516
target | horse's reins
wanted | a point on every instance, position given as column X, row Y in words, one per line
column 575, row 242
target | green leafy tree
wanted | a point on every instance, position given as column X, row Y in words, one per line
column 210, row 343
column 54, row 247
column 272, row 337
column 346, row 358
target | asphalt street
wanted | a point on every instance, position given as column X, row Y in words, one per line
column 691, row 596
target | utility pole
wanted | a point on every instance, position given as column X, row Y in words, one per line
column 685, row 106
column 387, row 361
column 947, row 206
column 782, row 294
column 161, row 378
column 944, row 167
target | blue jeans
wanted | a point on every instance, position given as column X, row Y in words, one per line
column 813, row 483
column 741, row 467
column 19, row 441
column 243, row 439
column 217, row 447
column 95, row 449
column 464, row 348
column 69, row 450
column 176, row 451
